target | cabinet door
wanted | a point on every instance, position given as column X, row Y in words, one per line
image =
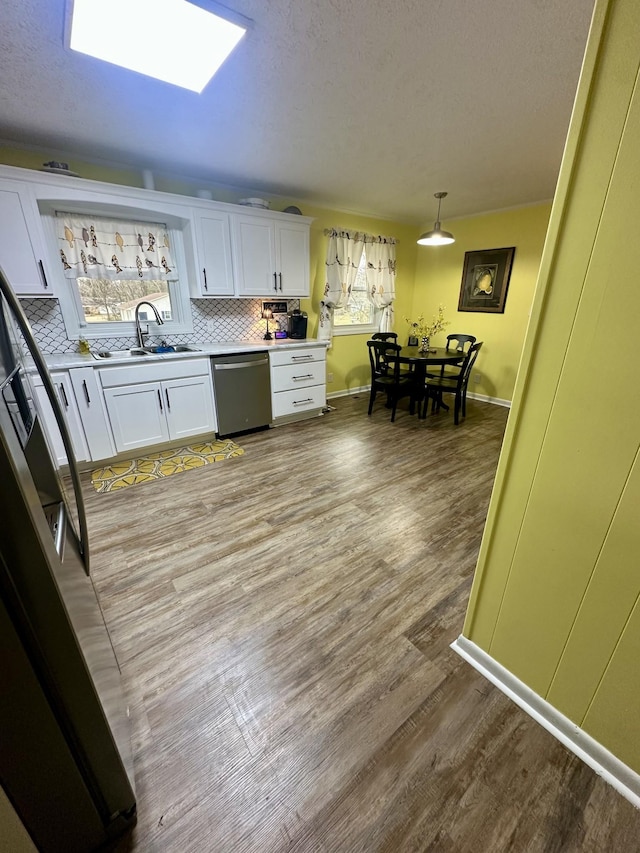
column 20, row 243
column 254, row 256
column 292, row 244
column 214, row 254
column 189, row 406
column 137, row 415
column 67, row 401
column 92, row 412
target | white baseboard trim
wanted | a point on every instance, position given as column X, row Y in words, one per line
column 349, row 392
column 625, row 780
column 484, row 399
column 364, row 389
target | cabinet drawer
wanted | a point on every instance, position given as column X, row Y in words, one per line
column 300, row 400
column 299, row 355
column 291, row 376
column 153, row 371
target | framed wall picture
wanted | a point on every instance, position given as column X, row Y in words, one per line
column 485, row 280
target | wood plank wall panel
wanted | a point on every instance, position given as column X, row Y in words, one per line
column 582, row 190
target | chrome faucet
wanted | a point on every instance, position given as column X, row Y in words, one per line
column 139, row 332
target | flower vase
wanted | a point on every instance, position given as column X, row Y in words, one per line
column 424, row 344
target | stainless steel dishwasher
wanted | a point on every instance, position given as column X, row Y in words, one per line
column 243, row 391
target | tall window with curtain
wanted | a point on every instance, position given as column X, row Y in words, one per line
column 359, row 285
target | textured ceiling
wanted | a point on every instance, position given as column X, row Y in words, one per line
column 362, row 105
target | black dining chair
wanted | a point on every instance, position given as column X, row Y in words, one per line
column 462, row 343
column 459, row 342
column 386, row 375
column 385, row 336
column 437, row 386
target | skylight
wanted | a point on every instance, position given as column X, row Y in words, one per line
column 171, row 40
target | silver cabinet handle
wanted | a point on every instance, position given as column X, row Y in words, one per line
column 204, row 273
column 160, row 400
column 301, row 358
column 166, row 392
column 64, row 396
column 302, row 402
column 86, row 392
column 44, row 275
column 306, row 376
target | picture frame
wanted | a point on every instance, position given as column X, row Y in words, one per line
column 412, row 341
column 485, row 280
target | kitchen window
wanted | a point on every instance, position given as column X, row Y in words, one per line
column 359, row 316
column 109, row 264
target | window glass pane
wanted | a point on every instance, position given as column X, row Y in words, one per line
column 105, row 301
column 359, row 311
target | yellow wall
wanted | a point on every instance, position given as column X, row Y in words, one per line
column 438, row 279
column 557, row 589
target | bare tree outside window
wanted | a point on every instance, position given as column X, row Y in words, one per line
column 107, row 301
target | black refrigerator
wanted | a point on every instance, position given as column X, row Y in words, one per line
column 65, row 747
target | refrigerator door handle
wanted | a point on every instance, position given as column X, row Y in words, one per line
column 41, row 367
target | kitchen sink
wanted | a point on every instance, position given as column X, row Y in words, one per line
column 138, row 352
column 171, row 348
column 135, row 353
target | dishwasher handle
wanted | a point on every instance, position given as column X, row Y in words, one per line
column 236, row 364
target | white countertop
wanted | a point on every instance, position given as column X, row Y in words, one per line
column 66, row 360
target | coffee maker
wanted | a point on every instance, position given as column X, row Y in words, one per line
column 297, row 324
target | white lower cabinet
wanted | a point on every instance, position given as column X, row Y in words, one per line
column 146, row 413
column 298, row 383
column 189, row 406
column 137, row 415
column 92, row 413
column 67, row 401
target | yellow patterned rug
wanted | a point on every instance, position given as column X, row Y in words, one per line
column 129, row 472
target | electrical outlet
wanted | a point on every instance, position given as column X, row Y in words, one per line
column 477, row 378
column 329, row 377
column 210, row 325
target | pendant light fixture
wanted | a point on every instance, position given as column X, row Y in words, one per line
column 436, row 237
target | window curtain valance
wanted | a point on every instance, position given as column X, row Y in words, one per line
column 344, row 252
column 114, row 249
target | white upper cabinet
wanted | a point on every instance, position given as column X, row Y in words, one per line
column 254, row 254
column 270, row 255
column 214, row 271
column 224, row 249
column 292, row 253
column 22, row 254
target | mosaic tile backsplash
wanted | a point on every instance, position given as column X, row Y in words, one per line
column 213, row 320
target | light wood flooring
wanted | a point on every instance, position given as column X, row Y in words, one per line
column 283, row 623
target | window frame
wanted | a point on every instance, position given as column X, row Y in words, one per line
column 68, row 294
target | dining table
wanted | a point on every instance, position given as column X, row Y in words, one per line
column 421, row 361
